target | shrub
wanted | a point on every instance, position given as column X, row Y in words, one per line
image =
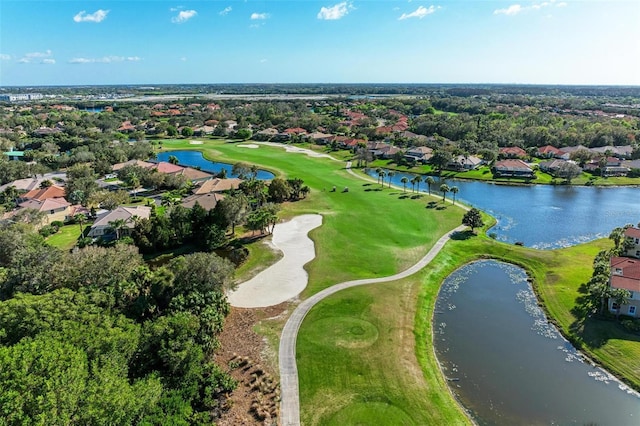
column 47, row 230
column 631, row 325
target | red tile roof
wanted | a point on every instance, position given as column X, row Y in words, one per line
column 625, row 273
column 53, row 191
column 513, row 150
column 165, row 167
column 632, row 232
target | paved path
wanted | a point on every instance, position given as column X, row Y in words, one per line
column 289, row 387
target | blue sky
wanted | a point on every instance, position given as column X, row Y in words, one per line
column 60, row 42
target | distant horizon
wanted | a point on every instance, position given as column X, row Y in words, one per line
column 520, row 42
column 154, row 85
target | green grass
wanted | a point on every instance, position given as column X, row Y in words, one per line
column 66, row 237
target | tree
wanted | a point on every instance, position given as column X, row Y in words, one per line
column 390, row 174
column 381, row 175
column 173, row 159
column 430, row 181
column 234, row 208
column 279, row 190
column 473, row 219
column 620, row 297
column 241, row 170
column 187, row 132
column 441, row 159
column 454, row 191
column 418, row 179
column 617, row 236
column 404, row 181
column 444, row 188
column 244, row 134
column 117, row 226
column 569, row 171
column 80, row 219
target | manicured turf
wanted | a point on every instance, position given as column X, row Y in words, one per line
column 66, row 237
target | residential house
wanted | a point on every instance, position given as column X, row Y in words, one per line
column 265, row 134
column 632, row 242
column 512, row 168
column 553, row 166
column 139, row 163
column 512, row 152
column 420, row 154
column 550, row 151
column 55, row 209
column 41, row 194
column 625, row 274
column 216, row 185
column 389, row 151
column 194, row 175
column 465, row 162
column 103, row 223
column 206, row 201
column 14, row 155
column 319, row 138
column 618, row 151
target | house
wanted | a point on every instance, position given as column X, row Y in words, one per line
column 217, row 185
column 512, row 152
column 550, row 151
column 319, row 137
column 390, row 151
column 194, row 175
column 420, row 154
column 512, row 168
column 625, row 274
column 206, row 201
column 553, row 166
column 41, row 194
column 102, row 225
column 465, row 162
column 632, row 242
column 619, row 151
column 14, row 155
column 139, row 163
column 55, row 209
column 166, row 167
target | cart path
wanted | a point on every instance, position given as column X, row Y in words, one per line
column 289, row 386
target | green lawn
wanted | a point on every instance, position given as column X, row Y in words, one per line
column 66, row 237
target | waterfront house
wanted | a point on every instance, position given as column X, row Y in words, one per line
column 632, row 242
column 512, row 152
column 625, row 274
column 465, row 162
column 512, row 168
column 420, row 154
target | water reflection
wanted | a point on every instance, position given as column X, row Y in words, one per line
column 508, row 365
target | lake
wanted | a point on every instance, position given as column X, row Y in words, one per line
column 508, row 366
column 196, row 159
column 545, row 216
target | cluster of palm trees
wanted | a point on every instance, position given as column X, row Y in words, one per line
column 415, row 183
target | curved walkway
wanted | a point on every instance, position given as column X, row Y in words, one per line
column 289, row 386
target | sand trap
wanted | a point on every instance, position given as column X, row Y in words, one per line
column 249, row 145
column 290, row 148
column 195, row 142
column 286, row 278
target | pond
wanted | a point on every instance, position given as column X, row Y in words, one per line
column 545, row 216
column 196, row 159
column 507, row 365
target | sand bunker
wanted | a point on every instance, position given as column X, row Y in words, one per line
column 290, row 148
column 286, row 278
column 195, row 142
column 248, row 145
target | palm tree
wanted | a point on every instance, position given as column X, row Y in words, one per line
column 173, row 159
column 382, row 174
column 617, row 235
column 80, row 218
column 378, row 170
column 454, row 191
column 404, row 181
column 418, row 179
column 390, row 174
column 444, row 188
column 413, row 184
column 620, row 297
column 118, row 225
column 430, row 181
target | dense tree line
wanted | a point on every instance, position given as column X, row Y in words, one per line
column 97, row 337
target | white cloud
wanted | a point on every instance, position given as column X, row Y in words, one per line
column 183, row 16
column 48, row 61
column 97, row 16
column 4, row 57
column 104, row 60
column 47, row 53
column 256, row 16
column 225, row 11
column 514, row 9
column 24, row 60
column 334, row 12
column 419, row 13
